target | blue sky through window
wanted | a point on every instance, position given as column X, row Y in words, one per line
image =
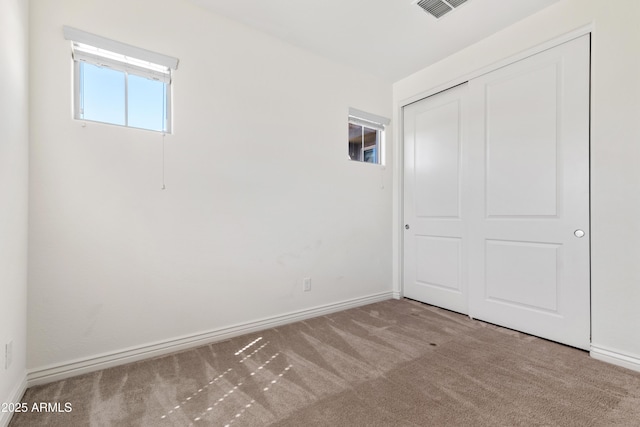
column 102, row 94
column 146, row 103
column 102, row 98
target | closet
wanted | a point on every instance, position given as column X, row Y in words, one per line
column 496, row 196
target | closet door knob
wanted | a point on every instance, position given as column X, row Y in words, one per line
column 578, row 233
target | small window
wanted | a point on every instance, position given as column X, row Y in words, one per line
column 120, row 84
column 366, row 135
column 364, row 143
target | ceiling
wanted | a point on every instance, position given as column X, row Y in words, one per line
column 388, row 38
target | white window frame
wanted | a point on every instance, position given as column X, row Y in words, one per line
column 102, row 52
column 370, row 121
column 77, row 102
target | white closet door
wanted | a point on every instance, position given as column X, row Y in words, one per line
column 529, row 230
column 497, row 196
column 434, row 210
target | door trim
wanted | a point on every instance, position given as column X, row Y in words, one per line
column 398, row 199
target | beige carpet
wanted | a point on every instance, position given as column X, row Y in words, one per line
column 394, row 363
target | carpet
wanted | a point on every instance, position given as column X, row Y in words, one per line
column 393, row 363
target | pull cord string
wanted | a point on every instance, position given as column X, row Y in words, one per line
column 163, row 135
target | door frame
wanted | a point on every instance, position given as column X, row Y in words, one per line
column 398, row 204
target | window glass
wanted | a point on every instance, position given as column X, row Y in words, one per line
column 370, row 155
column 370, row 147
column 355, row 141
column 364, row 143
column 102, row 95
column 120, row 97
column 147, row 103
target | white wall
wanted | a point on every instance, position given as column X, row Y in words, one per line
column 14, row 143
column 259, row 190
column 615, row 148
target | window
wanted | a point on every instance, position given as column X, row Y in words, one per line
column 366, row 135
column 120, row 84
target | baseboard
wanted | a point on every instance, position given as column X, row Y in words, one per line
column 15, row 397
column 82, row 366
column 397, row 295
column 615, row 357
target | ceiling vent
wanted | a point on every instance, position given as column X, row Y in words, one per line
column 439, row 8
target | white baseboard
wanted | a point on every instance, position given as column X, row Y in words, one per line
column 615, row 357
column 15, row 397
column 82, row 366
column 397, row 295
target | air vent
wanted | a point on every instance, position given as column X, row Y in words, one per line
column 455, row 3
column 439, row 8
